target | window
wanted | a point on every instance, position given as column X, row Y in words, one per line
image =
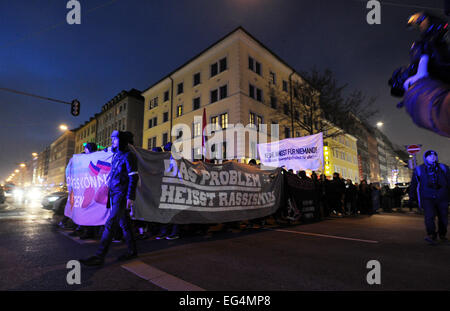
column 197, row 79
column 295, row 92
column 222, row 92
column 251, row 91
column 252, row 118
column 196, row 103
column 285, row 86
column 179, row 110
column 253, row 65
column 259, row 122
column 297, row 115
column 259, row 95
column 224, row 120
column 197, row 129
column 287, row 132
column 214, row 69
column 286, row 109
column 166, row 95
column 223, row 64
column 180, row 88
column 151, row 143
column 155, row 121
column 218, row 67
column 273, row 79
column 215, row 123
column 150, row 123
column 165, row 139
column 214, row 96
column 255, row 93
column 196, row 153
column 165, row 117
column 273, row 102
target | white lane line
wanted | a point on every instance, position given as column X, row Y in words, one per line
column 76, row 239
column 324, row 235
column 159, row 278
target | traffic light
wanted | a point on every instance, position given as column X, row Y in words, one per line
column 75, row 107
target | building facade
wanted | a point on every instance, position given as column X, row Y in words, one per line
column 341, row 156
column 61, row 151
column 42, row 166
column 123, row 113
column 231, row 82
column 86, row 133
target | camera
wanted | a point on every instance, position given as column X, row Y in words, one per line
column 433, row 42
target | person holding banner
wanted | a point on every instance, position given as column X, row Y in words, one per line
column 122, row 182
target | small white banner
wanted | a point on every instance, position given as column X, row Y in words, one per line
column 301, row 153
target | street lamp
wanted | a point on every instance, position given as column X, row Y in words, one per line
column 22, row 164
column 380, row 124
column 34, row 154
column 63, row 127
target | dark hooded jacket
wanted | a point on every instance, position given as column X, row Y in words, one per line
column 124, row 176
column 430, row 181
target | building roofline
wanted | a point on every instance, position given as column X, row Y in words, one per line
column 214, row 44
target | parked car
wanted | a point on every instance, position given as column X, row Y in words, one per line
column 55, row 201
column 2, row 196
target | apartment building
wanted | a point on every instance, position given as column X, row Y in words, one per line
column 61, row 151
column 124, row 112
column 231, row 81
column 86, row 133
column 341, row 156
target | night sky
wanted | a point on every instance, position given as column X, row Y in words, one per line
column 126, row 44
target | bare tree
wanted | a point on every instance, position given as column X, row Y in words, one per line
column 315, row 103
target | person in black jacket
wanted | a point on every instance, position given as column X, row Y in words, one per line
column 430, row 186
column 122, row 181
column 335, row 194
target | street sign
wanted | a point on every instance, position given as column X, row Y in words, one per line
column 412, row 149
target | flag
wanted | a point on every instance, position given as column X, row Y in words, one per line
column 105, row 166
column 93, row 169
column 203, row 134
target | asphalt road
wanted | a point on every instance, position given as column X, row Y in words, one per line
column 327, row 255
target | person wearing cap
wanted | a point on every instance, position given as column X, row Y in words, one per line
column 122, row 181
column 430, row 187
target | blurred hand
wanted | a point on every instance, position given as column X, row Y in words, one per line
column 130, row 204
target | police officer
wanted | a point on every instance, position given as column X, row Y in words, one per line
column 122, row 182
column 430, row 185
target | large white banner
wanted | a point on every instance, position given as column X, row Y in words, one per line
column 300, row 153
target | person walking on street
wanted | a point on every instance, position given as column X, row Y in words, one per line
column 122, row 182
column 430, row 188
column 336, row 194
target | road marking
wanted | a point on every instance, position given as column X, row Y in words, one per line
column 159, row 278
column 324, row 235
column 76, row 239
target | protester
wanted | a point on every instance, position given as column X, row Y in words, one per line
column 335, row 195
column 122, row 182
column 432, row 179
column 397, row 193
column 350, row 198
column 364, row 198
column 376, row 198
column 387, row 199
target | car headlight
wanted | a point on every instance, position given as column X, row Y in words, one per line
column 52, row 199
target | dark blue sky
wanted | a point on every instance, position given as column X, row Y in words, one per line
column 126, row 44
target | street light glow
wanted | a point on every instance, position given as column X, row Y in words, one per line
column 63, row 127
column 22, row 165
column 380, row 124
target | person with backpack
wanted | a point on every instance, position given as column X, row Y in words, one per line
column 430, row 187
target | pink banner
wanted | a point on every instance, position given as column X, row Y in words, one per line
column 86, row 182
